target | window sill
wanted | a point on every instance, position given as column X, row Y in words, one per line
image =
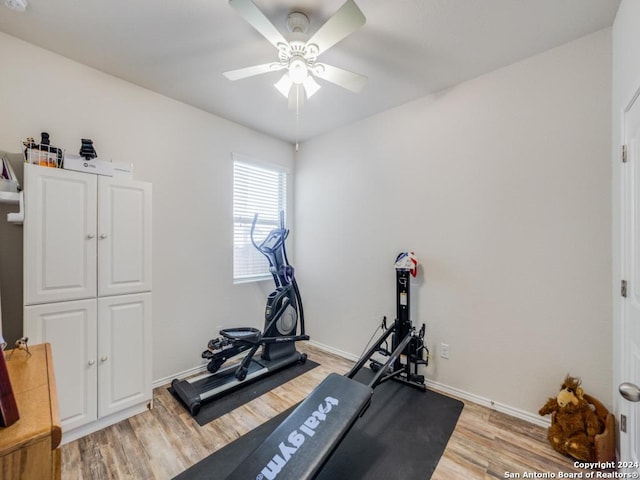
column 262, row 278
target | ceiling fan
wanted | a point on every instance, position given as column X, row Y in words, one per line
column 298, row 54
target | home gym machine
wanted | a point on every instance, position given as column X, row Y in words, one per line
column 301, row 445
column 415, row 352
column 283, row 315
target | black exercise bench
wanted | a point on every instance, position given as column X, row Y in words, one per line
column 300, row 446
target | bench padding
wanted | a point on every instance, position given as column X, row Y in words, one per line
column 300, row 445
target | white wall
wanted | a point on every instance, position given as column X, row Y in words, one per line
column 626, row 79
column 501, row 186
column 184, row 152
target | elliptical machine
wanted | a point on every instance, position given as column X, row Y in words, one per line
column 283, row 314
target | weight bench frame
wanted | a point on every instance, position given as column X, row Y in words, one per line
column 303, row 443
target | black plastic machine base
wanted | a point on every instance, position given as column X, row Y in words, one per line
column 204, row 388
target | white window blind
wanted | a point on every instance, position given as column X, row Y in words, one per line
column 256, row 189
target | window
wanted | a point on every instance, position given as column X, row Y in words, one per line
column 261, row 189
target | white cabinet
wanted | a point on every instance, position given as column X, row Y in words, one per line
column 87, row 284
column 124, row 236
column 70, row 217
column 71, row 328
column 124, row 352
column 102, row 354
column 60, row 243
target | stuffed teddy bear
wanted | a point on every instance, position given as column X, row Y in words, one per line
column 574, row 423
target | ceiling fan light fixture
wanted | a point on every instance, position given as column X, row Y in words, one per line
column 298, row 69
column 297, row 54
column 310, row 86
column 284, row 85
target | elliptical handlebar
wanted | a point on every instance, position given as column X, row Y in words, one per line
column 273, row 247
column 273, row 241
column 253, row 227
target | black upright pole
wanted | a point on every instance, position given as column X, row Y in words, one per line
column 403, row 325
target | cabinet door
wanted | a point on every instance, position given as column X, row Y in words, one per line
column 71, row 329
column 124, row 352
column 59, row 235
column 124, row 236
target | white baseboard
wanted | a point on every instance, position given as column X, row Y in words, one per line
column 471, row 397
column 455, row 392
column 70, row 436
column 485, row 402
column 198, row 369
column 333, row 350
column 161, row 382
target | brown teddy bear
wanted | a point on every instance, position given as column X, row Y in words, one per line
column 574, row 424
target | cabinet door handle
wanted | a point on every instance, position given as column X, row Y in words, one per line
column 103, row 235
column 91, row 235
column 629, row 391
column 103, row 359
column 91, row 362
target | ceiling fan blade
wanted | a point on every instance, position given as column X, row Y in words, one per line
column 344, row 22
column 252, row 14
column 251, row 71
column 343, row 78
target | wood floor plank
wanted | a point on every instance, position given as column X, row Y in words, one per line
column 164, row 458
column 160, row 443
column 127, row 460
column 178, row 429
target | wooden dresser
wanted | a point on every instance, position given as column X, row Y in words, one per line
column 29, row 447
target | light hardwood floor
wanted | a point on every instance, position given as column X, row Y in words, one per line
column 163, row 442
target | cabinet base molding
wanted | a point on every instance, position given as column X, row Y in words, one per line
column 76, row 433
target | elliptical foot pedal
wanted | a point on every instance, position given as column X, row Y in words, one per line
column 218, row 344
column 244, row 334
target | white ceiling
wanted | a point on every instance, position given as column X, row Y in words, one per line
column 407, row 48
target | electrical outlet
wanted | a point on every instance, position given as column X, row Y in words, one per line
column 444, row 350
